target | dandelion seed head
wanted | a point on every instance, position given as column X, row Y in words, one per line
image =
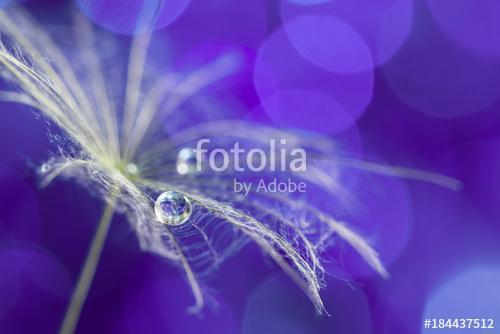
column 120, row 151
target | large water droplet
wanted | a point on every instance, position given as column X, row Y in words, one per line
column 173, row 208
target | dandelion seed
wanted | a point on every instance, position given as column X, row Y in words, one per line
column 116, row 152
column 173, row 208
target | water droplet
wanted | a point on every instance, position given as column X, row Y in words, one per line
column 187, row 163
column 45, row 168
column 173, row 208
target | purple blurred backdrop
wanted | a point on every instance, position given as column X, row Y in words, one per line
column 415, row 83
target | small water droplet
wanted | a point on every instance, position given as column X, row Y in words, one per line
column 45, row 168
column 173, row 208
column 187, row 163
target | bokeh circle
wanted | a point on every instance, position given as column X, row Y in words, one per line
column 474, row 26
column 131, row 17
column 473, row 293
column 281, row 72
column 383, row 25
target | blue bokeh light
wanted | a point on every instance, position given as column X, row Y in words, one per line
column 349, row 93
column 383, row 25
column 474, row 26
column 473, row 293
column 131, row 17
column 329, row 43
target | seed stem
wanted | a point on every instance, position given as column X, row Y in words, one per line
column 80, row 293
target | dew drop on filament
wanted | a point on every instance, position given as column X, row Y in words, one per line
column 173, row 208
column 45, row 168
column 186, row 162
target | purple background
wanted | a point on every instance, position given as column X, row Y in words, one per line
column 417, row 82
